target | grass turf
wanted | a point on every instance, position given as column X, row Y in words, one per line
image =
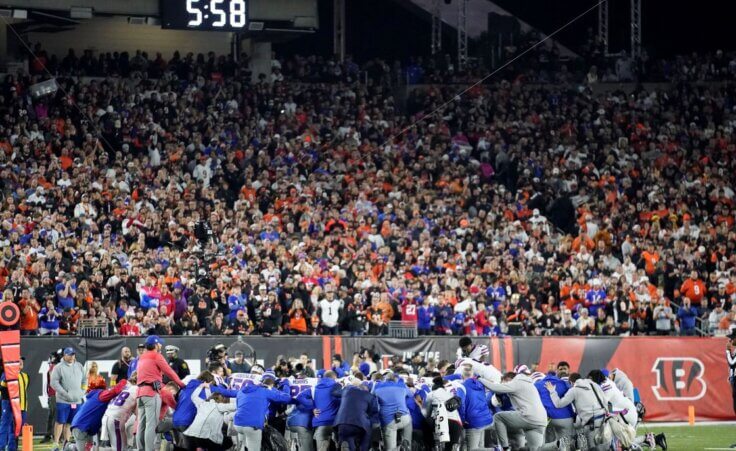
column 679, row 438
column 686, row 438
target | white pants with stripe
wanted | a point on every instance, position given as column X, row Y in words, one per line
column 119, row 431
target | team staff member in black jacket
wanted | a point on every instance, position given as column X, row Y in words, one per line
column 179, row 366
column 731, row 359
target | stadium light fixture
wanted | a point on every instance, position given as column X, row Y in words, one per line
column 80, row 12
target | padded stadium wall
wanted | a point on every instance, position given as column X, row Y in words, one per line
column 670, row 373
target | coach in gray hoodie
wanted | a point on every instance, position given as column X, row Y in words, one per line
column 529, row 418
column 587, row 397
column 67, row 379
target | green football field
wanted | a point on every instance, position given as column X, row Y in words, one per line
column 685, row 438
column 679, row 438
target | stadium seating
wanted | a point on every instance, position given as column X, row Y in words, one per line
column 175, row 197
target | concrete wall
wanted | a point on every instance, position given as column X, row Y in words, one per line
column 116, row 34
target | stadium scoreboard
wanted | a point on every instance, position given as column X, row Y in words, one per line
column 205, row 15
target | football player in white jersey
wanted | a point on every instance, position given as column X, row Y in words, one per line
column 485, row 370
column 468, row 350
column 620, row 404
column 623, row 383
column 117, row 423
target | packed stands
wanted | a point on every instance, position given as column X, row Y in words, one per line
column 177, row 197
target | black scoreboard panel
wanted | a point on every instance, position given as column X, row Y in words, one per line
column 205, row 15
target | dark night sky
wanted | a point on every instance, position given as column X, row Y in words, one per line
column 386, row 28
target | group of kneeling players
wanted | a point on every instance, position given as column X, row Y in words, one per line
column 466, row 406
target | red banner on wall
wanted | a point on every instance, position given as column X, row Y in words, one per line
column 674, row 373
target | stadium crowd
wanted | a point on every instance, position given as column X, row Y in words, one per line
column 183, row 199
column 405, row 405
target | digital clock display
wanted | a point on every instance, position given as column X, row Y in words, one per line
column 215, row 15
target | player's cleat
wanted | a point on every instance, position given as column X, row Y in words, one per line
column 661, row 440
column 650, row 440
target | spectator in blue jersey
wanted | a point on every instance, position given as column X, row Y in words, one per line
column 476, row 414
column 252, row 409
column 134, row 363
column 269, row 234
column 425, row 317
column 496, row 293
column 595, row 298
column 687, row 314
column 353, row 418
column 88, row 419
column 458, row 323
column 49, row 319
column 325, row 396
column 394, row 414
column 562, row 419
column 443, row 318
column 66, row 291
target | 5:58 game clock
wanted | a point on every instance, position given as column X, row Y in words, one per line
column 206, row 15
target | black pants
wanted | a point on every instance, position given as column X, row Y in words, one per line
column 733, row 393
column 50, row 420
column 456, row 434
column 194, row 442
column 352, row 435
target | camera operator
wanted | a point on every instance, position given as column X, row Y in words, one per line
column 218, row 354
column 239, row 364
column 203, row 231
column 54, row 359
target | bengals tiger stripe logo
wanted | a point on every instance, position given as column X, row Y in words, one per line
column 679, row 379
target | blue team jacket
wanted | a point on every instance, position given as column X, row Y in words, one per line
column 391, row 400
column 357, row 407
column 252, row 404
column 505, row 406
column 561, row 387
column 301, row 415
column 89, row 416
column 325, row 400
column 475, row 408
column 133, row 366
column 186, row 410
column 417, row 418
